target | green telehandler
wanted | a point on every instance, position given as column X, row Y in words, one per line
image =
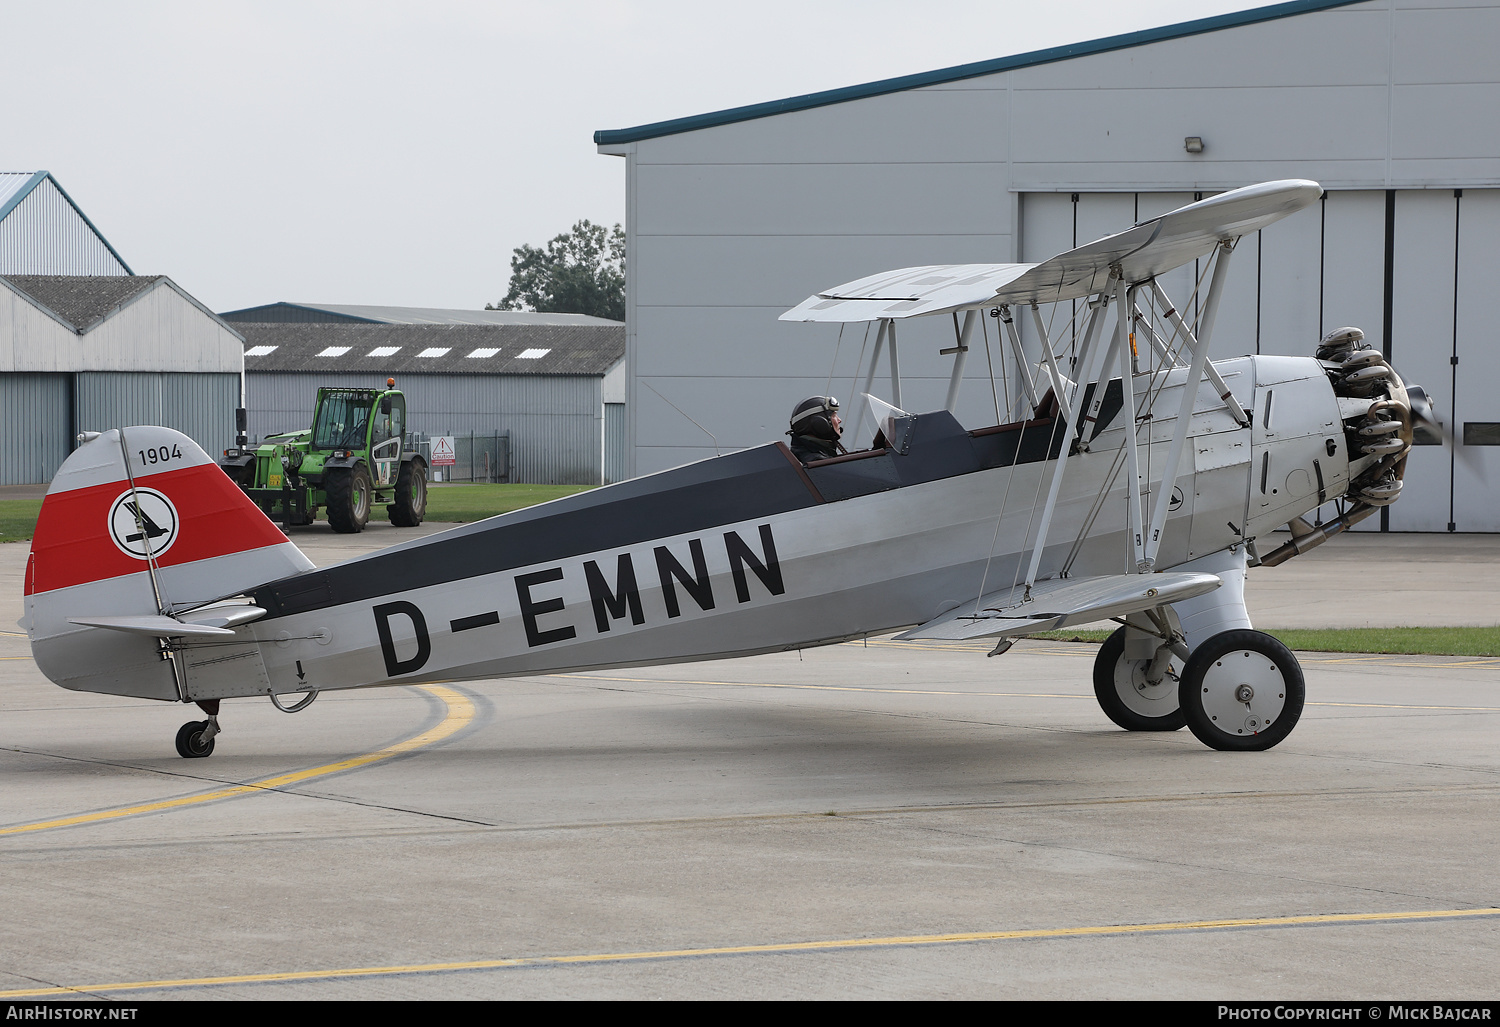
column 354, row 457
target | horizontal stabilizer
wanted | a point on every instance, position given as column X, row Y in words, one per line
column 1063, row 602
column 152, row 626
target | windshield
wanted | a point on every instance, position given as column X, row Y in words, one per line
column 342, row 420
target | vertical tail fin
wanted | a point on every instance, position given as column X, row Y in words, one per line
column 139, row 523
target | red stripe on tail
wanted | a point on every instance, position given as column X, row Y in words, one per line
column 73, row 543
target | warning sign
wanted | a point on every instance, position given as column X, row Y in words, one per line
column 442, row 451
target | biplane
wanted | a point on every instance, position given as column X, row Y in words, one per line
column 1134, row 482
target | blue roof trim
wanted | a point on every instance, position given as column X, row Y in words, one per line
column 612, row 136
column 352, row 318
column 77, row 210
column 36, row 180
column 21, row 194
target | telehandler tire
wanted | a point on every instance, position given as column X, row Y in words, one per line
column 349, row 494
column 411, row 494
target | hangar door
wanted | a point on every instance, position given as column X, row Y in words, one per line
column 36, row 426
column 1409, row 266
column 201, row 406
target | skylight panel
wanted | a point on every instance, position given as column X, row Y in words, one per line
column 335, row 351
column 533, row 354
column 383, row 351
column 434, row 351
column 259, row 351
column 484, row 351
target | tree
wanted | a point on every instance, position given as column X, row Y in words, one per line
column 580, row 272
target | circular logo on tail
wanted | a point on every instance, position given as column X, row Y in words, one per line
column 143, row 523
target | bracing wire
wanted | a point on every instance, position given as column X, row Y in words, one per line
column 854, row 378
column 984, row 324
column 829, row 384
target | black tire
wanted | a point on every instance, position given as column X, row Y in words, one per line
column 190, row 743
column 242, row 475
column 411, row 494
column 1242, row 691
column 1127, row 698
column 349, row 496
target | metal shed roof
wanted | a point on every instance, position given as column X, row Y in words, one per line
column 611, row 137
column 15, row 186
column 385, row 349
column 82, row 301
column 376, row 314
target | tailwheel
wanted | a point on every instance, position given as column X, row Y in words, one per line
column 195, row 739
column 1242, row 691
column 1138, row 695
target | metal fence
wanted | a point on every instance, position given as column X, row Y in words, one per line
column 476, row 457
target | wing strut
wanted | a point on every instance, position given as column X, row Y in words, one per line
column 1086, row 374
column 960, row 353
column 1092, row 417
column 1189, row 397
column 1225, row 396
column 1162, row 349
column 895, row 366
column 1021, row 361
column 1124, row 303
column 1057, row 379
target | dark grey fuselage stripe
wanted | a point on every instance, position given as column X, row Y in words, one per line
column 749, row 485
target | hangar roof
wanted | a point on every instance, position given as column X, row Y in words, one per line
column 397, row 349
column 83, row 302
column 354, row 313
column 609, row 137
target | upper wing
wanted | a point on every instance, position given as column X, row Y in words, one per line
column 1143, row 252
column 1063, row 602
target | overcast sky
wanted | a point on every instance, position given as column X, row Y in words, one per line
column 397, row 153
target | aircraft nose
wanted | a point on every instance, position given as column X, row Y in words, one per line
column 1380, row 413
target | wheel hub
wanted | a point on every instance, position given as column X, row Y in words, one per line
column 1144, row 696
column 1243, row 692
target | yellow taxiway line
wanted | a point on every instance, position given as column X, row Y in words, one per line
column 772, row 949
column 460, row 713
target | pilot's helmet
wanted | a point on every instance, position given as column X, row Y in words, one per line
column 814, row 416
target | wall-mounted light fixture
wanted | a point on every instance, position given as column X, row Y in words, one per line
column 1193, row 144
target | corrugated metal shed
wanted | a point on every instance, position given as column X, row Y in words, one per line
column 42, row 231
column 543, row 384
column 93, row 352
column 365, row 314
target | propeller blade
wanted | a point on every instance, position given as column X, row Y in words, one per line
column 1425, row 415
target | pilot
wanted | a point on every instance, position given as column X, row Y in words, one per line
column 816, row 429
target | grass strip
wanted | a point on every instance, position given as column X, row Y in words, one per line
column 464, row 503
column 18, row 518
column 445, row 503
column 1412, row 641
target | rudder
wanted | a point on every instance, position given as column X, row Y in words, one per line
column 139, row 523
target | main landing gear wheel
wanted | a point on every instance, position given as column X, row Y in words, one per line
column 1127, row 696
column 1242, row 691
column 191, row 744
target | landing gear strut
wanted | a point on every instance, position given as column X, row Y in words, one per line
column 1138, row 695
column 195, row 739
